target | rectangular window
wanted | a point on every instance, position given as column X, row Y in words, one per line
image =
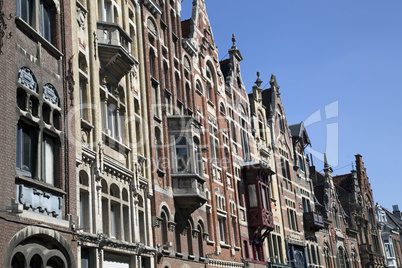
column 45, row 21
column 221, row 223
column 26, row 150
column 84, row 213
column 24, row 9
column 48, row 160
column 252, row 195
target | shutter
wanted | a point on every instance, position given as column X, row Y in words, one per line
column 111, row 263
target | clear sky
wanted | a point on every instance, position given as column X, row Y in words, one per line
column 341, row 59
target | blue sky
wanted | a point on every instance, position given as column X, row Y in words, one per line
column 325, row 51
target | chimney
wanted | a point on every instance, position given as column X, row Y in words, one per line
column 396, row 212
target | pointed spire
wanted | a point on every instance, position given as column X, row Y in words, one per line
column 325, row 161
column 327, row 168
column 273, row 82
column 258, row 82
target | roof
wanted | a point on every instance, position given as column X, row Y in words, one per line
column 393, row 219
column 186, row 28
column 299, row 131
column 344, row 182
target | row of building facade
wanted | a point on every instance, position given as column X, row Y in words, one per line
column 125, row 142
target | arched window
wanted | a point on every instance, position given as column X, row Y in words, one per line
column 200, row 240
column 189, row 238
column 210, row 82
column 222, row 109
column 199, row 87
column 342, row 258
column 164, row 228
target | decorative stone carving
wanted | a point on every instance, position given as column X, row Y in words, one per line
column 171, row 226
column 50, row 93
column 27, row 78
column 81, row 16
column 39, row 201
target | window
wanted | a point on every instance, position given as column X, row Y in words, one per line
column 209, row 83
column 41, row 22
column 199, row 87
column 252, row 195
column 200, row 241
column 244, row 139
column 26, row 149
column 306, row 205
column 261, row 127
column 45, row 21
column 181, row 154
column 301, row 163
column 36, row 151
column 221, row 226
column 165, row 75
column 141, row 220
column 189, row 239
column 341, row 258
column 164, row 228
column 48, row 160
column 389, row 250
column 198, row 157
column 25, row 9
column 292, row 219
column 113, row 112
column 214, row 144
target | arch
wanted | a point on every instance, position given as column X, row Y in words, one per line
column 341, row 257
column 56, row 245
column 187, row 63
column 198, row 86
column 124, row 194
column 114, row 190
column 151, row 25
column 222, row 108
column 104, row 186
column 83, row 178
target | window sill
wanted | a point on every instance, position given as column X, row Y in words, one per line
column 210, row 243
column 161, row 172
column 198, row 92
column 224, row 245
column 202, row 259
column 85, row 124
column 46, row 44
column 236, row 248
column 191, row 257
column 154, row 81
column 157, row 119
column 211, row 103
column 113, row 143
column 179, row 254
column 39, row 184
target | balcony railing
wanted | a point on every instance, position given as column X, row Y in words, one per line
column 313, row 221
column 188, row 191
column 114, row 46
column 260, row 218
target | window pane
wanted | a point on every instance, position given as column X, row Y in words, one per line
column 252, row 195
column 181, row 154
column 48, row 160
column 264, row 198
column 45, row 23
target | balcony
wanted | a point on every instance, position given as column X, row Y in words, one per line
column 188, row 191
column 260, row 218
column 313, row 221
column 114, row 49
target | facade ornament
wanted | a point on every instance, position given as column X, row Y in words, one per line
column 81, row 16
column 50, row 93
column 3, row 26
column 27, row 78
column 70, row 80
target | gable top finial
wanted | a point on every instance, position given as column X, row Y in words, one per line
column 258, row 82
column 234, row 40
